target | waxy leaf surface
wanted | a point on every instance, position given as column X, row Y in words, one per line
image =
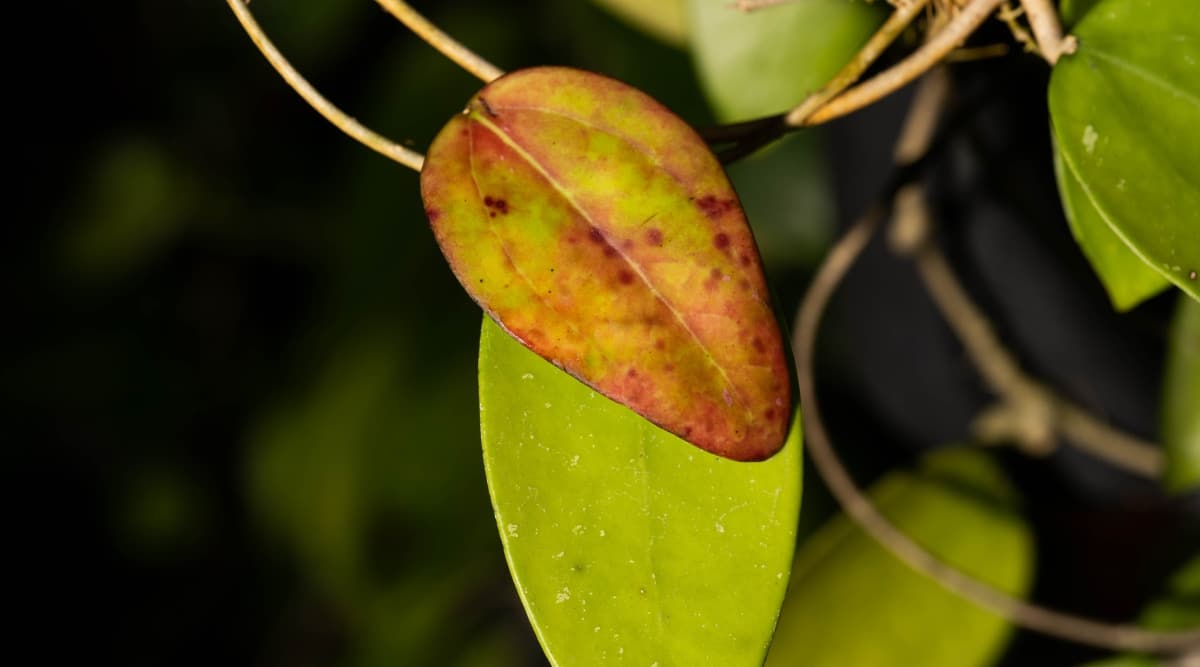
column 627, row 546
column 1127, row 279
column 1124, row 110
column 598, row 229
column 853, row 603
column 1181, row 400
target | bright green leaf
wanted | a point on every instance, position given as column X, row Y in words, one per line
column 1124, row 275
column 665, row 19
column 853, row 603
column 1073, row 10
column 1181, row 400
column 1124, row 110
column 626, row 545
column 601, row 232
column 766, row 61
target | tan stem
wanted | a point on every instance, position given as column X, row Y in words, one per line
column 447, row 45
column 334, row 115
column 950, row 37
column 861, row 510
column 1047, row 30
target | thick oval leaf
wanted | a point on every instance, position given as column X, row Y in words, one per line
column 599, row 230
column 853, row 603
column 1124, row 110
column 1128, row 279
column 1181, row 400
column 626, row 545
column 766, row 61
column 665, row 19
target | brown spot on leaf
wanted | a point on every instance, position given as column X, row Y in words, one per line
column 721, row 241
column 758, row 344
column 770, row 413
column 496, row 204
column 625, row 277
column 595, row 236
column 745, row 259
column 654, row 236
column 432, row 213
column 713, row 207
column 631, row 373
column 660, row 345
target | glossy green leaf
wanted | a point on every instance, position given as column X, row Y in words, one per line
column 853, row 603
column 1124, row 110
column 1128, row 279
column 598, row 229
column 1178, row 608
column 1072, row 11
column 626, row 545
column 1181, row 400
column 766, row 61
column 665, row 19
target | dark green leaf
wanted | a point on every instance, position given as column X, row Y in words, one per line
column 628, row 546
column 1128, row 279
column 1124, row 110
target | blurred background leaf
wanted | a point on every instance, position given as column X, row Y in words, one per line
column 853, row 603
column 1181, row 399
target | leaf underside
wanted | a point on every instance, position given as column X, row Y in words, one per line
column 627, row 546
column 598, row 229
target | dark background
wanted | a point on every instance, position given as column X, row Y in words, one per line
column 239, row 393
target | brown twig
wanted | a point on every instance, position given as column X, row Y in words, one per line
column 837, row 263
column 376, row 142
column 447, row 45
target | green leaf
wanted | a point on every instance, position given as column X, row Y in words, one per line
column 766, row 61
column 1072, row 11
column 853, row 603
column 1128, row 279
column 1181, row 400
column 1124, row 110
column 626, row 545
column 600, row 231
column 664, row 19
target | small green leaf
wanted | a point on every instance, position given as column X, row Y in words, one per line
column 1124, row 275
column 665, row 19
column 766, row 61
column 626, row 545
column 1124, row 110
column 1181, row 400
column 853, row 603
column 598, row 229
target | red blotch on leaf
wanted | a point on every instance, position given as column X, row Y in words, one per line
column 721, row 241
column 714, row 207
column 654, row 236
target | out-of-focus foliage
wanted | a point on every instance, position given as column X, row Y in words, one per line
column 1181, row 399
column 1176, row 608
column 853, row 603
column 665, row 19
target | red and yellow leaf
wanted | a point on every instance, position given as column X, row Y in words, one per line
column 597, row 228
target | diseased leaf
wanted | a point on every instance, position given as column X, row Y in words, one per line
column 853, row 603
column 599, row 230
column 665, row 19
column 766, row 61
column 627, row 546
column 1124, row 110
column 1181, row 400
column 1128, row 279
